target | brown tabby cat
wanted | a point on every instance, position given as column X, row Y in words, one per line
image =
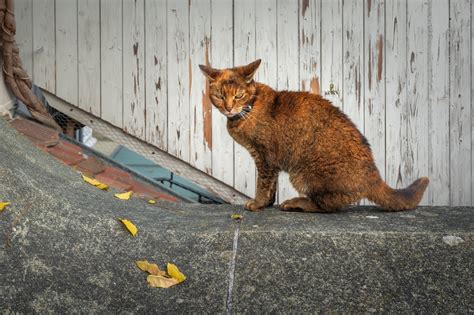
column 329, row 161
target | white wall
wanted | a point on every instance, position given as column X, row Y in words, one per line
column 402, row 71
column 6, row 100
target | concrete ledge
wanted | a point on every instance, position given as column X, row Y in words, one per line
column 62, row 250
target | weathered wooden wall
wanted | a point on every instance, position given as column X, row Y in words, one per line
column 401, row 69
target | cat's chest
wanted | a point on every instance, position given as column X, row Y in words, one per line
column 252, row 136
column 244, row 133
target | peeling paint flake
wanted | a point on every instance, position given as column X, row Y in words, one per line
column 190, row 73
column 158, row 84
column 380, row 57
column 314, row 86
column 304, row 7
column 135, row 49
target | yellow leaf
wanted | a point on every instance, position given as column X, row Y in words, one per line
column 3, row 205
column 161, row 282
column 152, row 201
column 237, row 216
column 102, row 186
column 152, row 269
column 174, row 272
column 129, row 226
column 94, row 182
column 124, row 196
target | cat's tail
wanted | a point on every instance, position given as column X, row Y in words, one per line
column 399, row 199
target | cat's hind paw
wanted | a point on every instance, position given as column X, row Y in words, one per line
column 254, row 205
column 299, row 204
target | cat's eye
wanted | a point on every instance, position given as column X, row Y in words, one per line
column 238, row 96
column 219, row 96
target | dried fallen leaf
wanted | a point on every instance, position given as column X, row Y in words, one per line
column 161, row 282
column 129, row 226
column 237, row 216
column 152, row 269
column 3, row 205
column 124, row 196
column 95, row 182
column 174, row 272
column 152, row 201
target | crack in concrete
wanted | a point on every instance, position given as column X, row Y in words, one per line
column 230, row 287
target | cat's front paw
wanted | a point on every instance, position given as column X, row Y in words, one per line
column 254, row 205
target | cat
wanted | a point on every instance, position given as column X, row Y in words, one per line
column 329, row 161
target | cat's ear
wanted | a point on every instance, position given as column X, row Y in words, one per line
column 209, row 72
column 249, row 70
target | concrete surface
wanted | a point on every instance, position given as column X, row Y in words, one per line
column 62, row 250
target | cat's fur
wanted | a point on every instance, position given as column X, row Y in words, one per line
column 329, row 161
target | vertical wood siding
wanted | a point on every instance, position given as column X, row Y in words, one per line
column 66, row 50
column 438, row 102
column 374, row 120
column 353, row 61
column 44, row 55
column 460, row 111
column 24, row 32
column 133, row 68
column 396, row 92
column 156, row 78
column 400, row 69
column 89, row 55
column 200, row 115
column 111, row 57
column 331, row 55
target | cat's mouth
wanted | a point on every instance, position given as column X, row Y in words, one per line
column 244, row 112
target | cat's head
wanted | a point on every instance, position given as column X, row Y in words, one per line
column 232, row 91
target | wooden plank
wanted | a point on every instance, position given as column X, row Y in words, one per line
column 266, row 39
column 200, row 104
column 156, row 74
column 353, row 62
column 133, row 68
column 288, row 78
column 244, row 53
column 266, row 43
column 24, row 32
column 111, row 61
column 89, row 55
column 331, row 54
column 396, row 92
column 460, row 112
column 44, row 63
column 310, row 40
column 221, row 48
column 374, row 112
column 178, row 79
column 66, row 51
column 438, row 102
column 416, row 160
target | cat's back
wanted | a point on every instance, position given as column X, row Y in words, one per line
column 306, row 106
column 314, row 117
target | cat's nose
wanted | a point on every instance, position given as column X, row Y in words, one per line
column 228, row 107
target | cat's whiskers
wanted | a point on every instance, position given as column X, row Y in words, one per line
column 247, row 115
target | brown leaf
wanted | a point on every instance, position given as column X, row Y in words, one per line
column 152, row 269
column 161, row 282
